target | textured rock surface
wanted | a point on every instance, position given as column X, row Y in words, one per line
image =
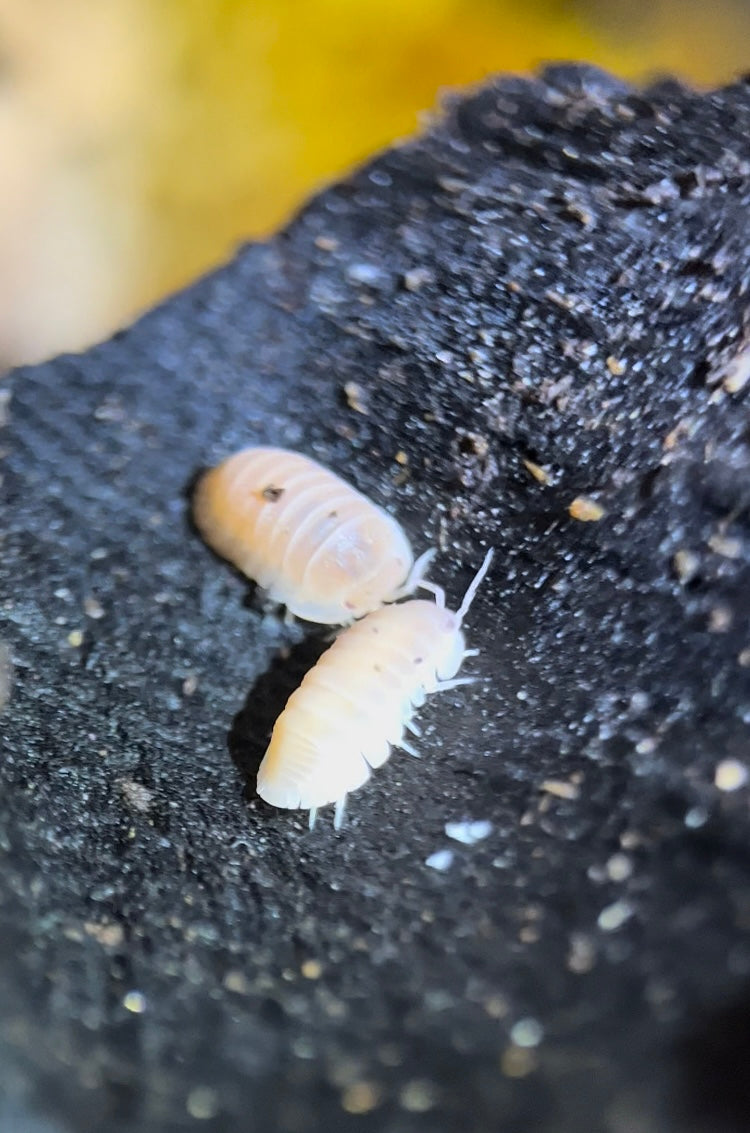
column 542, row 299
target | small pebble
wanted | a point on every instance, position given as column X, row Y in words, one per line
column 614, row 916
column 326, row 243
column 356, row 397
column 586, row 510
column 418, row 1096
column 540, row 474
column 312, row 969
column 93, row 608
column 467, row 832
column 560, row 788
column 730, row 775
column 137, row 796
column 440, row 860
column 135, row 1002
column 202, row 1103
column 108, row 935
column 517, row 1062
column 361, row 1097
column 370, row 275
column 496, row 1007
column 719, row 619
column 725, row 546
column 527, row 1032
column 304, row 1048
column 738, row 371
column 619, row 867
column 417, row 278
column 582, row 954
column 236, row 981
column 696, row 817
column 75, row 639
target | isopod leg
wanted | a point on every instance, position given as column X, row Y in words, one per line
column 470, row 653
column 413, row 728
column 407, row 747
column 454, row 682
column 417, row 573
column 433, row 588
column 338, row 814
column 311, row 817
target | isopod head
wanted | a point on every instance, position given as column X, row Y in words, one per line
column 451, row 648
column 454, row 649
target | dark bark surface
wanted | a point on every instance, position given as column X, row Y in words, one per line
column 545, row 297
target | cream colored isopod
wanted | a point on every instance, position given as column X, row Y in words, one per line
column 355, row 703
column 304, row 535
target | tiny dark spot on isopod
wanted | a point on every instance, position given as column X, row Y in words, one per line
column 332, row 514
column 272, row 494
column 418, row 660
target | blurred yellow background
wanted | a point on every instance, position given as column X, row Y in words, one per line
column 143, row 139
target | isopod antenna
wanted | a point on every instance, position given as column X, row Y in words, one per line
column 474, row 585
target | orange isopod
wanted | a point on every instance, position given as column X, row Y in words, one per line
column 314, row 543
column 355, row 703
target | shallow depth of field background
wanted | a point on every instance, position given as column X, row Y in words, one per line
column 142, row 140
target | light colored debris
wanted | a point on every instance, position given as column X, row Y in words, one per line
column 469, row 833
column 560, row 788
column 356, row 397
column 441, row 860
column 586, row 510
column 730, row 775
column 540, row 474
column 615, row 916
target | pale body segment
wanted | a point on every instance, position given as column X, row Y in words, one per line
column 357, row 701
column 314, row 543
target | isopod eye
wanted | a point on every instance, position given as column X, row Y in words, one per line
column 272, row 494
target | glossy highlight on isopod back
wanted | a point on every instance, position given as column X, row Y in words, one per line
column 308, row 538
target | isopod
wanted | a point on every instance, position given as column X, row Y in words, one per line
column 314, row 543
column 356, row 702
